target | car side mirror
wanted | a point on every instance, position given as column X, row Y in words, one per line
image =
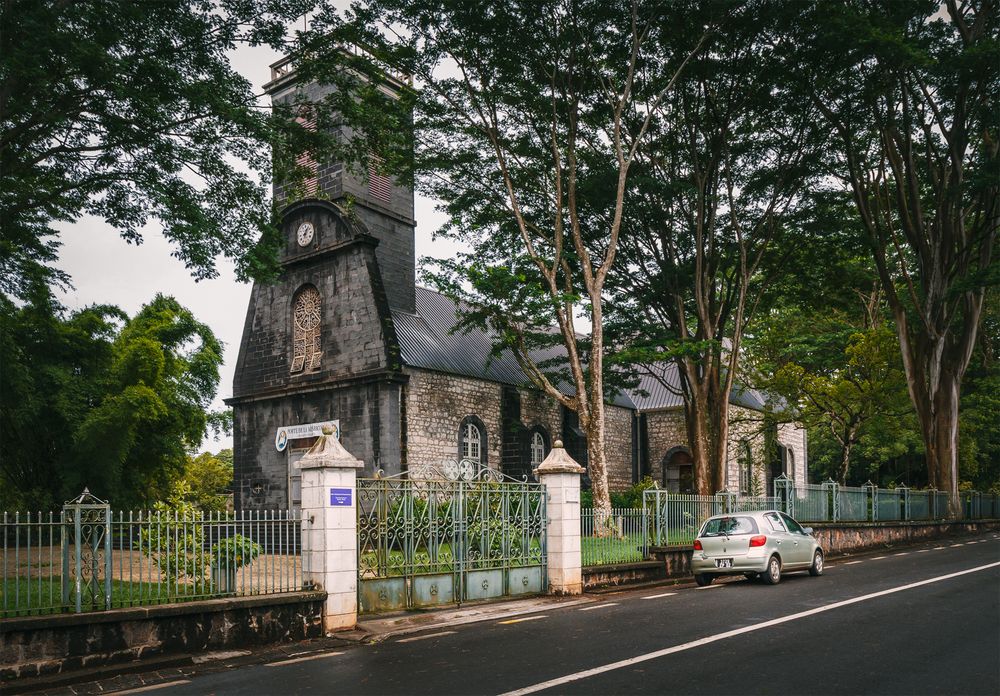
column 807, row 530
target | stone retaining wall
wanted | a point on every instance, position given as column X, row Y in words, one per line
column 49, row 645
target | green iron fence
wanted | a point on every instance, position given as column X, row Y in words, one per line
column 433, row 541
column 621, row 538
column 831, row 502
column 87, row 557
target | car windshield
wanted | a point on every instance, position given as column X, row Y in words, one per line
column 730, row 526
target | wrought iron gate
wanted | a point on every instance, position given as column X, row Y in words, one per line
column 448, row 535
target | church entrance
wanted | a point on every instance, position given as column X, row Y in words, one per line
column 678, row 471
column 451, row 536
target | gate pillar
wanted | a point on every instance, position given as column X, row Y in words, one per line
column 330, row 528
column 560, row 475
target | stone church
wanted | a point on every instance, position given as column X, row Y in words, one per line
column 345, row 337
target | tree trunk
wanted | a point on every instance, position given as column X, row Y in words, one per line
column 845, row 461
column 698, row 421
column 939, row 425
column 597, row 467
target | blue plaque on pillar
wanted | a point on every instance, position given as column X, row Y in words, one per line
column 340, row 497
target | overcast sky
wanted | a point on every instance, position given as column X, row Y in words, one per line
column 107, row 270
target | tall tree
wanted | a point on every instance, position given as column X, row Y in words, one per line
column 720, row 184
column 529, row 118
column 132, row 111
column 910, row 91
column 101, row 400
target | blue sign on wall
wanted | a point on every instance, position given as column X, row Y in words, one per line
column 340, row 497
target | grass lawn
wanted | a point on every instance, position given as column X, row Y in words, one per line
column 612, row 549
column 24, row 598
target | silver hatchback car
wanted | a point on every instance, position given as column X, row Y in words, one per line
column 755, row 544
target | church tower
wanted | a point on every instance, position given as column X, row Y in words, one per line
column 319, row 344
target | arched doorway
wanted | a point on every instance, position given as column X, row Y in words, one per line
column 678, row 471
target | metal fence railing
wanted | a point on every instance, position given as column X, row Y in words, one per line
column 621, row 538
column 89, row 558
column 674, row 518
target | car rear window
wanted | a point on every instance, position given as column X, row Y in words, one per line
column 730, row 526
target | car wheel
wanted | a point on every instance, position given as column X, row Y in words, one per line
column 772, row 576
column 703, row 579
column 816, row 569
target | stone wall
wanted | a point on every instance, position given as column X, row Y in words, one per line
column 794, row 438
column 666, row 430
column 49, row 645
column 746, row 425
column 539, row 409
column 436, row 404
column 618, row 446
column 390, row 221
column 841, row 538
column 370, row 425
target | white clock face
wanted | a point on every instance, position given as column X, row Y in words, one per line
column 305, row 233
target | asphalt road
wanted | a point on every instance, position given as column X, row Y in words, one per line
column 924, row 620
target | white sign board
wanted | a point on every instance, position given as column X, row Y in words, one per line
column 297, row 432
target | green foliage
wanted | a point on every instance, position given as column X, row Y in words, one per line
column 629, row 498
column 207, row 477
column 845, row 382
column 235, row 552
column 133, row 112
column 174, row 540
column 95, row 398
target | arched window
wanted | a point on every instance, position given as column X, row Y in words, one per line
column 538, row 446
column 537, row 449
column 472, row 443
column 307, row 314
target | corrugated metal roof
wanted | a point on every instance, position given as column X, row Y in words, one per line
column 662, row 386
column 426, row 341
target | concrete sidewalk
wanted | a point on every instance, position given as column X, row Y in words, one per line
column 386, row 626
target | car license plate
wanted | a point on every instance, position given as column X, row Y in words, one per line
column 723, row 563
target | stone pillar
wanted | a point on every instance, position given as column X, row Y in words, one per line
column 330, row 528
column 561, row 476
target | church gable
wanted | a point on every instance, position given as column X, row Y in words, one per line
column 326, row 319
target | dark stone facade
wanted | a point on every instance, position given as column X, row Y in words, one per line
column 358, row 380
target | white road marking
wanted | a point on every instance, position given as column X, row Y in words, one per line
column 657, row 596
column 602, row 605
column 878, row 558
column 954, row 545
column 902, row 553
column 303, row 659
column 923, row 550
column 708, row 587
column 425, row 637
column 576, row 676
column 937, row 548
column 526, row 618
column 853, row 562
column 154, row 687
